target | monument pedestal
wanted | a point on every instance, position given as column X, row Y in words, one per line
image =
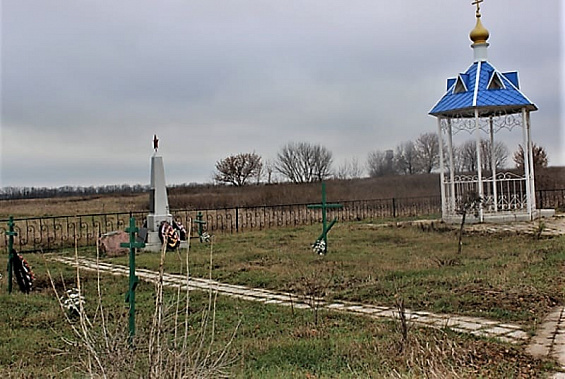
column 154, row 221
column 153, row 243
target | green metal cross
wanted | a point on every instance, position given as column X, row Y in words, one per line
column 133, row 279
column 325, row 228
column 11, row 252
column 200, row 223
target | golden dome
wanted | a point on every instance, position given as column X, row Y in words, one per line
column 480, row 34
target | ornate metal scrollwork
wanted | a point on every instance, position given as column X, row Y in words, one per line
column 97, row 228
column 259, row 219
column 229, row 221
column 507, row 121
column 57, row 227
column 500, row 120
column 122, row 222
column 220, row 222
column 210, row 222
column 44, row 232
column 82, row 239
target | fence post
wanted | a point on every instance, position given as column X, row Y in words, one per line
column 237, row 219
column 393, row 207
column 540, row 195
column 11, row 235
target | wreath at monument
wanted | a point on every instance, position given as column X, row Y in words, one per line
column 180, row 229
column 169, row 235
column 23, row 273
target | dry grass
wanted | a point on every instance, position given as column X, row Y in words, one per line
column 515, row 279
column 381, row 265
column 289, row 193
column 220, row 196
column 72, row 205
column 170, row 348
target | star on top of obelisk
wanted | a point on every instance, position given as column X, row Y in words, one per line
column 155, row 142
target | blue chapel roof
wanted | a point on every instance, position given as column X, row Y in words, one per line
column 484, row 88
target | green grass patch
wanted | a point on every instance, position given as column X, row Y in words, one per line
column 514, row 278
column 505, row 277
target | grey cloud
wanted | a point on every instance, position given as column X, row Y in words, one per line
column 215, row 77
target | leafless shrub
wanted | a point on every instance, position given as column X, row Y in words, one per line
column 165, row 350
column 538, row 231
column 313, row 287
column 471, row 202
column 403, row 325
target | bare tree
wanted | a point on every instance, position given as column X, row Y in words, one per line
column 467, row 155
column 304, row 162
column 237, row 169
column 427, row 149
column 539, row 156
column 500, row 154
column 350, row 169
column 269, row 167
column 405, row 158
column 380, row 163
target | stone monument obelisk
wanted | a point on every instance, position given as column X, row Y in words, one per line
column 158, row 201
column 159, row 220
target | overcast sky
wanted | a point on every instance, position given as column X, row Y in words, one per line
column 86, row 84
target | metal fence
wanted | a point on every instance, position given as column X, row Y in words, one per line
column 551, row 199
column 55, row 232
column 51, row 233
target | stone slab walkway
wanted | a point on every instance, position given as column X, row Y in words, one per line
column 549, row 340
column 473, row 325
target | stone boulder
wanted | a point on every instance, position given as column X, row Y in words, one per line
column 110, row 244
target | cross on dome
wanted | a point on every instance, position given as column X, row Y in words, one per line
column 478, row 4
column 479, row 35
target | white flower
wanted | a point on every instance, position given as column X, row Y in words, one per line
column 72, row 300
column 205, row 237
column 319, row 247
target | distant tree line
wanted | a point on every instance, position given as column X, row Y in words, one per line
column 422, row 156
column 306, row 162
column 68, row 191
column 303, row 162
